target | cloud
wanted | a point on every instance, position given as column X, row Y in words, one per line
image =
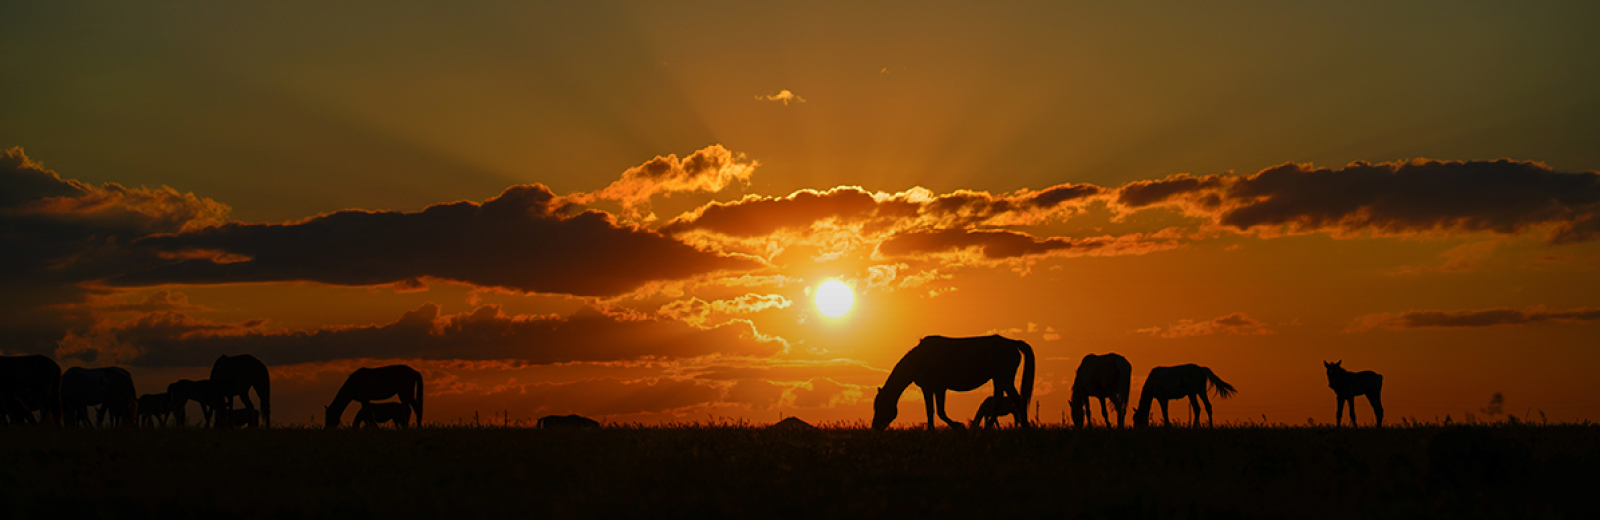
column 700, row 313
column 59, row 233
column 783, row 95
column 1001, row 244
column 1470, row 318
column 1237, row 323
column 172, row 339
column 707, row 170
column 520, row 240
column 1389, row 199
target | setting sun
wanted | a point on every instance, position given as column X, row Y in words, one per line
column 834, row 298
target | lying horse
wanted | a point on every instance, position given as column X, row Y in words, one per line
column 241, row 418
column 236, row 376
column 1104, row 376
column 990, row 411
column 371, row 384
column 1347, row 385
column 111, row 388
column 1176, row 383
column 567, row 421
column 372, row 414
column 939, row 364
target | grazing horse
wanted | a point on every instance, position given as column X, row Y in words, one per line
column 31, row 383
column 1347, row 385
column 1104, row 376
column 571, row 421
column 236, row 376
column 990, row 411
column 371, row 384
column 939, row 364
column 154, row 409
column 1176, row 383
column 204, row 391
column 372, row 414
column 109, row 387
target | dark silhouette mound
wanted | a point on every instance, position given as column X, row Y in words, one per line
column 791, row 423
column 29, row 383
column 990, row 411
column 111, row 388
column 241, row 418
column 372, row 414
column 567, row 421
column 236, row 376
column 1107, row 376
column 154, row 409
column 939, row 364
column 1347, row 385
column 371, row 384
column 1176, row 383
column 204, row 391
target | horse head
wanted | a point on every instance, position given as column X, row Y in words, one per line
column 330, row 417
column 884, row 409
column 1141, row 417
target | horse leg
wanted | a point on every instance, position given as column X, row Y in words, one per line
column 1165, row 420
column 1338, row 413
column 939, row 397
column 1209, row 422
column 1122, row 407
column 1377, row 406
column 1352, row 411
column 1194, row 411
column 1105, row 415
column 927, row 399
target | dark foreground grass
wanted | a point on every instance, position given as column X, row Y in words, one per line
column 730, row 472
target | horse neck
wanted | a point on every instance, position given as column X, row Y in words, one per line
column 340, row 402
column 898, row 380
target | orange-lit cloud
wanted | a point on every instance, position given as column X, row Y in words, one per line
column 1237, row 323
column 1000, row 244
column 1389, row 199
column 707, row 170
column 519, row 240
column 1470, row 318
column 783, row 95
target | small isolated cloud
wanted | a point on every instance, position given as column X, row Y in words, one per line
column 1469, row 318
column 783, row 95
column 1237, row 323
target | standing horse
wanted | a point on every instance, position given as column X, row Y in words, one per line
column 990, row 411
column 109, row 387
column 1347, row 385
column 154, row 409
column 939, row 364
column 1175, row 383
column 1104, row 376
column 32, row 383
column 204, row 391
column 236, row 376
column 371, row 384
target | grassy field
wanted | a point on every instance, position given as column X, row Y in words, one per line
column 735, row 472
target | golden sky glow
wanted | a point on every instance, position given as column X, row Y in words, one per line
column 629, row 210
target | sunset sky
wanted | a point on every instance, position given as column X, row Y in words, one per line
column 623, row 209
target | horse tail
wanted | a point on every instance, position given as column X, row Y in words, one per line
column 419, row 399
column 1223, row 388
column 1027, row 375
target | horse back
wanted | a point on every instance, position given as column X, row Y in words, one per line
column 939, row 362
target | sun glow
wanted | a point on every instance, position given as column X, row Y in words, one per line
column 834, row 298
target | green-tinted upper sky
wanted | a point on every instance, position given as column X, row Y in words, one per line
column 285, row 109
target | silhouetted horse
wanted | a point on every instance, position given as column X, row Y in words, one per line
column 110, row 387
column 238, row 418
column 31, row 383
column 371, row 384
column 1104, row 376
column 990, row 411
column 236, row 376
column 938, row 364
column 567, row 421
column 372, row 414
column 1175, row 383
column 1347, row 385
column 154, row 409
column 204, row 391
